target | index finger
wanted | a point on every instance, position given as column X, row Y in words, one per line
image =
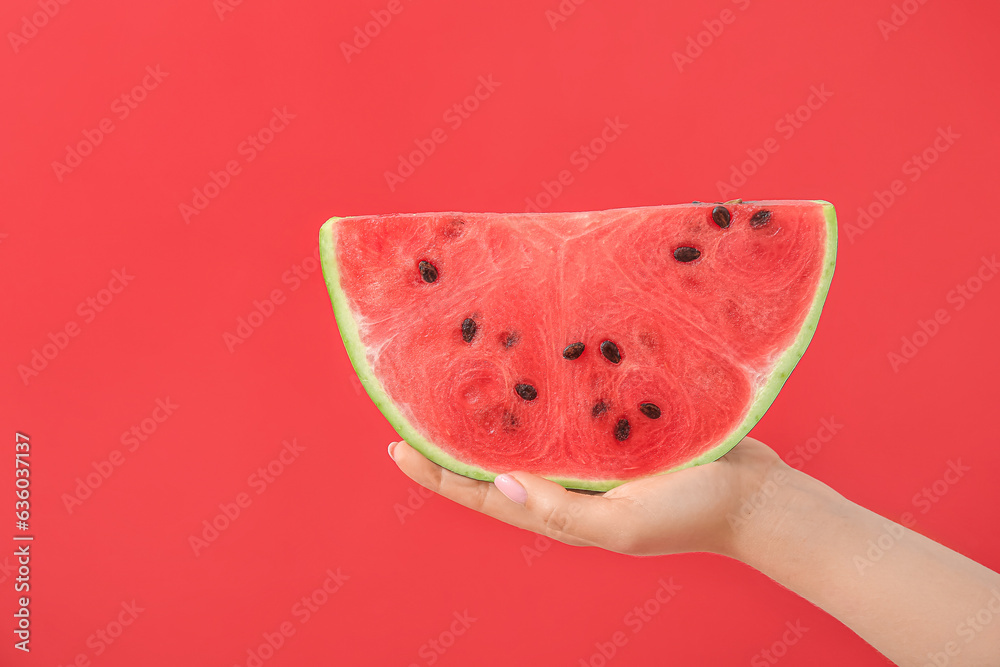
column 549, row 509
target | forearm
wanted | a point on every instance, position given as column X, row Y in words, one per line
column 908, row 596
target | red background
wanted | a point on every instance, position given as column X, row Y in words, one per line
column 337, row 505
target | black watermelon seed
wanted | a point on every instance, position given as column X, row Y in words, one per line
column 510, row 339
column 468, row 329
column 650, row 410
column 599, row 409
column 526, row 391
column 721, row 217
column 622, row 429
column 611, row 352
column 760, row 218
column 573, row 351
column 686, row 254
column 427, row 271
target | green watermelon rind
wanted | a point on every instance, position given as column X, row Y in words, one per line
column 356, row 352
column 790, row 357
column 765, row 397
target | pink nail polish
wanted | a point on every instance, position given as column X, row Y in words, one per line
column 392, row 446
column 511, row 488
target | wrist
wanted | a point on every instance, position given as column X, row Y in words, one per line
column 777, row 505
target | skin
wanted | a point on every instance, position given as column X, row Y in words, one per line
column 911, row 598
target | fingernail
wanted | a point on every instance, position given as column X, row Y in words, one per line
column 511, row 488
column 392, row 446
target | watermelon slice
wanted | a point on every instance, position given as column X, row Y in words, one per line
column 590, row 348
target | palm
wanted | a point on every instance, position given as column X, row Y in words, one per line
column 688, row 510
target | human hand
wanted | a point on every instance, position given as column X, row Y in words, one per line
column 684, row 511
column 805, row 536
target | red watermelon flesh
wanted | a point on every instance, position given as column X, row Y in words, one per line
column 457, row 324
